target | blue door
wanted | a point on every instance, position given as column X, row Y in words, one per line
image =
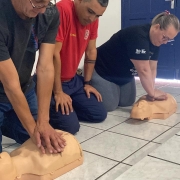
column 142, row 11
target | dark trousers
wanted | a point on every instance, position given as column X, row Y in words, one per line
column 85, row 109
column 10, row 125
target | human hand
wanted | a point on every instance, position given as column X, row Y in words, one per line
column 89, row 89
column 158, row 95
column 47, row 139
column 64, row 101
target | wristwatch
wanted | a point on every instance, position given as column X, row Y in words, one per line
column 87, row 82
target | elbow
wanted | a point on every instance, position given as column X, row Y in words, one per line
column 11, row 88
column 143, row 72
column 91, row 52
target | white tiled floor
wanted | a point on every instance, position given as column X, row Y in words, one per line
column 125, row 149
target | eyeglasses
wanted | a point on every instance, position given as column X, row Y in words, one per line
column 165, row 38
column 50, row 4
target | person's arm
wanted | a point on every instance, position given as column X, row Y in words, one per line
column 10, row 80
column 147, row 79
column 145, row 75
column 153, row 67
column 45, row 79
column 90, row 59
column 60, row 97
column 89, row 62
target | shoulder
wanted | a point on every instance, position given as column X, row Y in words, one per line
column 65, row 6
column 51, row 13
column 3, row 18
column 139, row 32
column 50, row 16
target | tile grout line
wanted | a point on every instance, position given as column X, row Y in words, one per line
column 163, row 160
column 111, row 169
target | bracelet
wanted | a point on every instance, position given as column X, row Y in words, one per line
column 87, row 82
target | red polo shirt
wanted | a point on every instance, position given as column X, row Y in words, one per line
column 74, row 37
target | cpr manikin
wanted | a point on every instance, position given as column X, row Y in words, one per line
column 28, row 163
column 144, row 109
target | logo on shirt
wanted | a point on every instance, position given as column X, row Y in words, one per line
column 133, row 71
column 86, row 34
column 71, row 34
column 140, row 51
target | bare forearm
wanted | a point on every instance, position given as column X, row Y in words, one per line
column 88, row 70
column 57, row 87
column 89, row 63
column 45, row 79
column 154, row 77
column 147, row 82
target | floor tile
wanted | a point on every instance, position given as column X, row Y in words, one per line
column 7, row 142
column 170, row 121
column 178, row 108
column 122, row 111
column 177, row 126
column 177, row 98
column 140, row 129
column 152, row 169
column 86, row 133
column 169, row 151
column 161, row 83
column 11, row 148
column 112, row 145
column 140, row 154
column 141, row 92
column 166, row 135
column 171, row 90
column 138, row 86
column 93, row 167
column 110, row 121
column 115, row 172
column 175, row 83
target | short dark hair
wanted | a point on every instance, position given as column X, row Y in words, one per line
column 103, row 3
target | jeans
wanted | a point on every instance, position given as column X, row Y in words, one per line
column 10, row 124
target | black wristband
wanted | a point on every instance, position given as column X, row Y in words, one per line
column 87, row 82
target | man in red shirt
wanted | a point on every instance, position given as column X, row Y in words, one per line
column 73, row 97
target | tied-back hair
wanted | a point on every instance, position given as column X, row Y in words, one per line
column 103, row 3
column 165, row 19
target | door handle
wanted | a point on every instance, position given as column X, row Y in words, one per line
column 172, row 3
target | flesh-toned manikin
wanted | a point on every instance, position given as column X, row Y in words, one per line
column 28, row 163
column 146, row 110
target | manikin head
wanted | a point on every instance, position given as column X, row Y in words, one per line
column 31, row 8
column 89, row 10
column 164, row 28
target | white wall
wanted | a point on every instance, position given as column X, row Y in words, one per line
column 109, row 23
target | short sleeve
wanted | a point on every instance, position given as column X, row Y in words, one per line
column 137, row 46
column 155, row 54
column 4, row 52
column 63, row 24
column 94, row 30
column 53, row 27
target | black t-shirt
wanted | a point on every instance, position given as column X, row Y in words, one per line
column 113, row 57
column 20, row 39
